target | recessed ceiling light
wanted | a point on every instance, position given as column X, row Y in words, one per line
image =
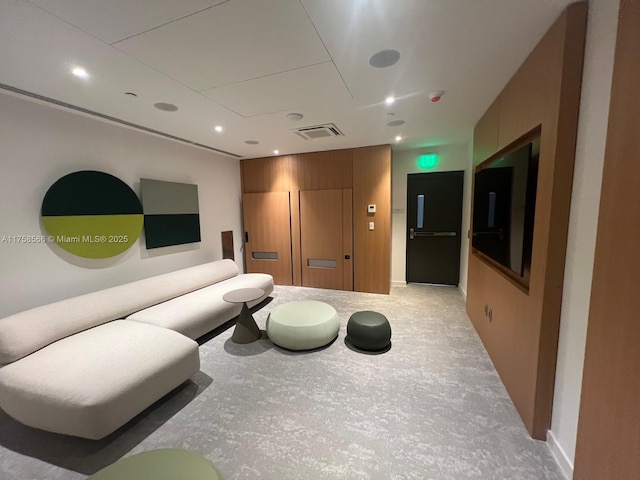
column 295, row 117
column 165, row 107
column 384, row 58
column 389, row 100
column 80, row 72
column 251, row 142
column 398, row 138
column 276, row 152
column 396, row 123
column 218, row 128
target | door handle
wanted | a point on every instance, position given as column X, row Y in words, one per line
column 434, row 234
column 499, row 234
column 411, row 234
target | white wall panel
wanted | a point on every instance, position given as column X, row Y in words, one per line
column 39, row 144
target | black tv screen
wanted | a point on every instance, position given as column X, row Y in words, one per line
column 504, row 202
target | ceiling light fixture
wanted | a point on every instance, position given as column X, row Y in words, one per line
column 218, row 128
column 398, row 138
column 80, row 72
column 276, row 152
column 389, row 100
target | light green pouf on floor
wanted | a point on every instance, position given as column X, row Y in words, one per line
column 163, row 464
column 303, row 325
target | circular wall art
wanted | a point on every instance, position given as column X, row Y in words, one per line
column 92, row 214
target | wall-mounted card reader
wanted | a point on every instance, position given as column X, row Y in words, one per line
column 371, row 209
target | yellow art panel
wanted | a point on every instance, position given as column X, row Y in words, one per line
column 94, row 236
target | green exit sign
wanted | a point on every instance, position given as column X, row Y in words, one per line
column 428, row 161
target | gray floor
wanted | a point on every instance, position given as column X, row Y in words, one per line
column 432, row 407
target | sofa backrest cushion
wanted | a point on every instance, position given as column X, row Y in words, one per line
column 28, row 331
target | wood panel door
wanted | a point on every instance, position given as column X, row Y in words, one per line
column 267, row 238
column 326, row 238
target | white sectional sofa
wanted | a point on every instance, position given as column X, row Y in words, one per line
column 87, row 365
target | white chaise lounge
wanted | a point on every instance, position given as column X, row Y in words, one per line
column 86, row 365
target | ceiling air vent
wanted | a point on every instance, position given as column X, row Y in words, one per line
column 318, row 131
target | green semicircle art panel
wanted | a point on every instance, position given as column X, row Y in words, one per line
column 92, row 214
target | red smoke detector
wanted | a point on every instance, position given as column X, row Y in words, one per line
column 436, row 95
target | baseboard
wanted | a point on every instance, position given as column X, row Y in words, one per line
column 562, row 460
column 398, row 284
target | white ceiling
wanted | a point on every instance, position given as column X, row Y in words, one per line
column 245, row 64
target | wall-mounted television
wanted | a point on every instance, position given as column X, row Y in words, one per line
column 504, row 204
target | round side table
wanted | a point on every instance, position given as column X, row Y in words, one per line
column 246, row 330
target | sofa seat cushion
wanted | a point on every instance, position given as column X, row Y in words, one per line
column 199, row 312
column 91, row 383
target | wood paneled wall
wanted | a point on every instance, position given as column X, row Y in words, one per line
column 372, row 248
column 367, row 171
column 270, row 174
column 608, row 442
column 325, row 170
column 522, row 337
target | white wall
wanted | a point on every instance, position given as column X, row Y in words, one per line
column 39, row 144
column 585, row 199
column 452, row 157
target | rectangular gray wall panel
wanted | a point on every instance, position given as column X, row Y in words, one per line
column 168, row 198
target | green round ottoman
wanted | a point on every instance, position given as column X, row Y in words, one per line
column 303, row 325
column 369, row 331
column 162, row 464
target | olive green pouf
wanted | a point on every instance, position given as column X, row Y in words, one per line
column 163, row 464
column 303, row 325
column 369, row 331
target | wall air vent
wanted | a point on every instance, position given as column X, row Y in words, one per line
column 318, row 131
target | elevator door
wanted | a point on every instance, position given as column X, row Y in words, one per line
column 267, row 238
column 326, row 233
